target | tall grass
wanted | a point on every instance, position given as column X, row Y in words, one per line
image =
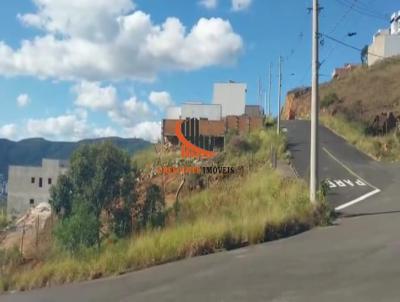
column 3, row 219
column 237, row 212
column 379, row 147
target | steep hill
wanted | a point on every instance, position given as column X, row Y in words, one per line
column 360, row 95
column 31, row 151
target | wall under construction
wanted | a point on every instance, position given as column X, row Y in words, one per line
column 210, row 133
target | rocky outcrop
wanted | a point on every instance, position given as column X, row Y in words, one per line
column 297, row 104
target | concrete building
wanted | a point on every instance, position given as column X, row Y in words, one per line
column 254, row 111
column 232, row 97
column 173, row 113
column 29, row 186
column 211, row 112
column 386, row 42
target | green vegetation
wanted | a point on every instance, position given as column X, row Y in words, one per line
column 3, row 219
column 379, row 147
column 100, row 178
column 248, row 208
column 329, row 100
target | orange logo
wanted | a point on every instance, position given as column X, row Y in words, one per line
column 188, row 148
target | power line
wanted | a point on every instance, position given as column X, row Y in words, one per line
column 348, row 45
column 364, row 11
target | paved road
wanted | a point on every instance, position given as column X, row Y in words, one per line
column 351, row 175
column 357, row 259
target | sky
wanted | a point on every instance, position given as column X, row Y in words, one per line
column 75, row 69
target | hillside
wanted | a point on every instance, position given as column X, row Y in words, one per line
column 359, row 96
column 31, row 151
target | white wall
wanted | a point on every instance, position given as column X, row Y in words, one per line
column 173, row 113
column 232, row 98
column 210, row 111
column 384, row 45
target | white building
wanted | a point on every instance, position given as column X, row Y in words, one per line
column 29, row 186
column 173, row 113
column 212, row 112
column 228, row 99
column 232, row 97
column 386, row 42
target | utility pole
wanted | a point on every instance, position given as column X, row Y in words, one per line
column 278, row 128
column 269, row 89
column 314, row 156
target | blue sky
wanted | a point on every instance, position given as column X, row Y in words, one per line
column 73, row 69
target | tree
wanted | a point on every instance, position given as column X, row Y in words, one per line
column 79, row 230
column 61, row 196
column 100, row 174
column 100, row 178
column 364, row 55
column 153, row 211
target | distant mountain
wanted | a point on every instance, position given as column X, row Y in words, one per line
column 32, row 151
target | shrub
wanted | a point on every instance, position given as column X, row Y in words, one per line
column 329, row 100
column 3, row 219
column 153, row 209
column 81, row 229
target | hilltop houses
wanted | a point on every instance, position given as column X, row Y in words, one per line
column 386, row 42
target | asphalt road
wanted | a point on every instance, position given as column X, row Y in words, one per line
column 357, row 259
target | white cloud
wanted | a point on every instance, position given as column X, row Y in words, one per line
column 238, row 5
column 131, row 112
column 9, row 131
column 23, row 100
column 150, row 131
column 93, row 96
column 161, row 99
column 67, row 127
column 106, row 40
column 209, row 4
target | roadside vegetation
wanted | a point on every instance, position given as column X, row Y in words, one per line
column 386, row 147
column 105, row 228
column 3, row 219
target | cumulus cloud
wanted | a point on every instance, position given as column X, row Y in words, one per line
column 67, row 126
column 92, row 96
column 131, row 112
column 209, row 4
column 150, row 131
column 9, row 131
column 23, row 100
column 238, row 5
column 108, row 40
column 160, row 99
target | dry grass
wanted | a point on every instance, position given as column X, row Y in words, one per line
column 385, row 148
column 364, row 93
column 235, row 213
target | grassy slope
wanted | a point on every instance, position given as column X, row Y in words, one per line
column 244, row 210
column 364, row 93
column 385, row 148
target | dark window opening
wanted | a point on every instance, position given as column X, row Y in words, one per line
column 49, row 181
column 31, row 202
column 40, row 182
column 33, row 180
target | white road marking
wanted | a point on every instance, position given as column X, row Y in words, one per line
column 360, row 181
column 359, row 199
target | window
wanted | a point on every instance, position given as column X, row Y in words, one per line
column 31, row 202
column 33, row 180
column 49, row 181
column 40, row 182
